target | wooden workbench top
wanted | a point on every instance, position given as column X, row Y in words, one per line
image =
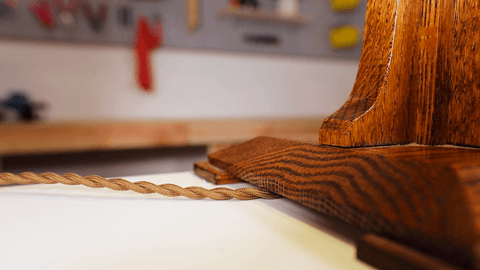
column 74, row 136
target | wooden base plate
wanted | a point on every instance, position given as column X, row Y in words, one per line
column 424, row 197
column 214, row 175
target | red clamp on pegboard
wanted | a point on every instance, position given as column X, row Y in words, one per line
column 42, row 10
column 147, row 39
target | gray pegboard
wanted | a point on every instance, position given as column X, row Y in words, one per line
column 214, row 33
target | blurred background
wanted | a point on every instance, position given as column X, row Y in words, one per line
column 120, row 88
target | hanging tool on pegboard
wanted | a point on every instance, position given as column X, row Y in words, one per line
column 193, row 15
column 43, row 12
column 7, row 10
column 96, row 20
column 67, row 12
column 147, row 39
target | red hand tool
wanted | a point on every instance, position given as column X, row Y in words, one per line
column 147, row 39
column 42, row 10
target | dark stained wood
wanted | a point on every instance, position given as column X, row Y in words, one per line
column 418, row 86
column 418, row 79
column 213, row 174
column 422, row 196
column 386, row 254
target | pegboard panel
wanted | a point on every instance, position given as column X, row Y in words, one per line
column 220, row 27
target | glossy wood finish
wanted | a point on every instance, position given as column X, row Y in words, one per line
column 421, row 196
column 418, row 84
column 418, row 79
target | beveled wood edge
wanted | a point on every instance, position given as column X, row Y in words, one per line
column 214, row 174
column 386, row 254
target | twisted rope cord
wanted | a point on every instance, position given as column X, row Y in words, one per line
column 170, row 190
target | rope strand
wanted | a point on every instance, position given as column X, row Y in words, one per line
column 169, row 190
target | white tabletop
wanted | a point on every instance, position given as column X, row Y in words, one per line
column 75, row 227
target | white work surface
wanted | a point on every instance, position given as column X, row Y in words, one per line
column 75, row 227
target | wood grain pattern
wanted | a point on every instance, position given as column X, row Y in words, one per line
column 421, row 196
column 419, row 55
column 418, row 83
column 213, row 174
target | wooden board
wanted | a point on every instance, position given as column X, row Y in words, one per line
column 386, row 254
column 421, row 196
column 213, row 174
column 48, row 137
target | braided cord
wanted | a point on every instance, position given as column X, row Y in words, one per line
column 170, row 190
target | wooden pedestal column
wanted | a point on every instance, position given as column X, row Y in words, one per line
column 418, row 79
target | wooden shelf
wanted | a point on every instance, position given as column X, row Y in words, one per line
column 50, row 137
column 260, row 14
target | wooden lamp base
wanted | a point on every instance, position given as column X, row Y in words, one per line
column 379, row 166
column 420, row 196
